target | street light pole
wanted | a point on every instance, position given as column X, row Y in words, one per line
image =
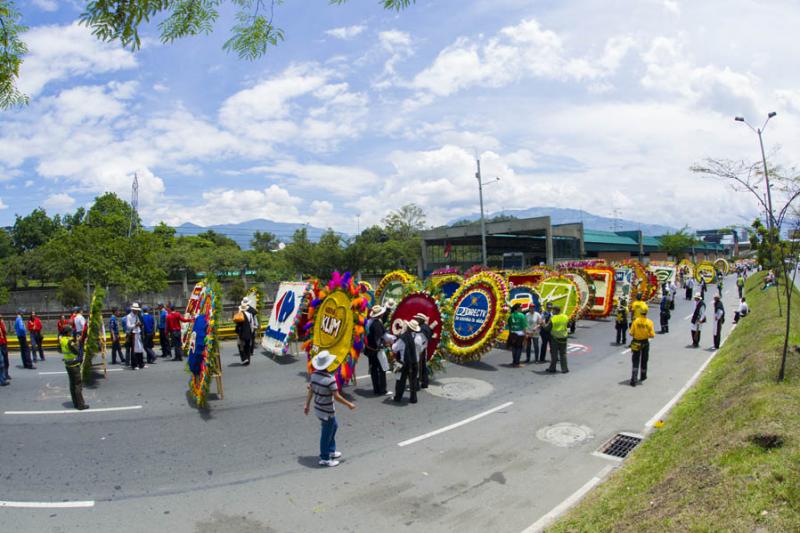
column 759, row 132
column 483, row 222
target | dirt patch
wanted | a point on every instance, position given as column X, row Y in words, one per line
column 766, row 441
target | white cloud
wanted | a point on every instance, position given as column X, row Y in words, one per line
column 59, row 202
column 58, row 52
column 3, row 204
column 28, row 183
column 341, row 180
column 46, row 5
column 346, row 32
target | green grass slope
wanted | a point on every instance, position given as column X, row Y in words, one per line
column 711, row 467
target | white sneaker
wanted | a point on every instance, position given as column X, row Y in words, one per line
column 336, row 455
column 330, row 462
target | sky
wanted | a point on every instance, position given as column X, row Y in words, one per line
column 600, row 106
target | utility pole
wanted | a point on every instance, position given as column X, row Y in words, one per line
column 483, row 222
column 759, row 132
column 134, row 204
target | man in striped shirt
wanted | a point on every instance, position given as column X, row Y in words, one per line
column 324, row 390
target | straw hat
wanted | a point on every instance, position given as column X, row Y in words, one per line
column 421, row 317
column 135, row 307
column 322, row 360
column 377, row 311
column 413, row 325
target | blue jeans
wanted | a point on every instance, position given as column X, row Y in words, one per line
column 327, row 439
column 2, row 370
column 4, row 355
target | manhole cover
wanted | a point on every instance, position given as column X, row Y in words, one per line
column 460, row 388
column 620, row 445
column 565, row 434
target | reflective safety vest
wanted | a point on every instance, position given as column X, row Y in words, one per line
column 560, row 323
column 69, row 354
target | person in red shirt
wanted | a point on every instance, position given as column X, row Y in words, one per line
column 4, row 377
column 174, row 319
column 35, row 329
column 61, row 325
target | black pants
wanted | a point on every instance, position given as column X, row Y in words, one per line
column 24, row 352
column 116, row 349
column 137, row 359
column 718, row 335
column 639, row 359
column 177, row 344
column 410, row 372
column 163, row 339
column 558, row 352
column 423, row 371
column 245, row 348
column 688, row 293
column 128, row 346
column 149, row 342
column 531, row 341
column 546, row 339
column 622, row 330
column 664, row 323
column 516, row 342
column 36, row 345
column 4, row 350
column 75, row 384
column 376, row 373
column 695, row 338
column 740, row 292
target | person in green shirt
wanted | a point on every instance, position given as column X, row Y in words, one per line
column 72, row 362
column 517, row 324
column 559, row 333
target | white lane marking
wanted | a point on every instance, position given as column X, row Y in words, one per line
column 454, row 426
column 625, row 351
column 365, row 376
column 48, row 505
column 64, row 371
column 670, row 404
column 71, row 411
column 574, row 498
column 688, row 317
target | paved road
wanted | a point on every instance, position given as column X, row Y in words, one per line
column 249, row 464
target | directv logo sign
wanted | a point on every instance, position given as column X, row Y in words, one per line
column 284, row 309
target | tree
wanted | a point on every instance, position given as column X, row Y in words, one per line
column 218, row 239
column 264, row 241
column 406, row 222
column 32, row 230
column 678, row 243
column 120, row 20
column 71, row 292
column 109, row 211
column 6, row 245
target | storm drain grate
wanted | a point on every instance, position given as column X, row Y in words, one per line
column 621, row 445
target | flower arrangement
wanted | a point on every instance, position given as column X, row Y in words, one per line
column 493, row 287
column 344, row 283
column 605, row 284
column 572, row 305
column 587, row 289
column 444, row 282
column 203, row 361
column 393, row 277
column 95, row 338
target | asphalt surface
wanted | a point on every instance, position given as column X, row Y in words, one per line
column 249, row 463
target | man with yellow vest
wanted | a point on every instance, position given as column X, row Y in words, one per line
column 559, row 334
column 641, row 332
column 72, row 361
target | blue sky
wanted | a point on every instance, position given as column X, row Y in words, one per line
column 595, row 105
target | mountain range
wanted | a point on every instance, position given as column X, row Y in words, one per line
column 568, row 216
column 243, row 232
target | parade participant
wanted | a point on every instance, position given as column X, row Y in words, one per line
column 689, row 287
column 374, row 344
column 547, row 326
column 72, row 362
column 35, row 330
column 638, row 307
column 719, row 319
column 673, row 294
column 424, row 336
column 61, row 325
column 22, row 337
column 559, row 334
column 133, row 337
column 124, row 326
column 641, row 332
column 703, row 287
column 405, row 351
column 4, row 349
column 116, row 347
column 698, row 318
column 742, row 312
column 148, row 334
column 79, row 325
column 621, row 322
column 174, row 319
column 664, row 315
column 163, row 336
column 532, row 334
column 719, row 284
column 246, row 331
column 323, row 390
column 517, row 324
column 740, row 285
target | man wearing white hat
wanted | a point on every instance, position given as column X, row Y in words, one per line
column 133, row 336
column 247, row 330
column 698, row 318
column 376, row 330
column 422, row 339
column 323, row 389
column 405, row 351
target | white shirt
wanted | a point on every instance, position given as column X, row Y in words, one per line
column 743, row 308
column 534, row 323
column 80, row 323
column 421, row 343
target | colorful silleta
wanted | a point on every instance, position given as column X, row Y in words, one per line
column 393, row 286
column 479, row 315
column 337, row 315
column 291, row 304
column 200, row 340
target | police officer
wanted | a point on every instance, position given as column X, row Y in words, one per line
column 72, row 362
column 559, row 335
column 621, row 322
column 641, row 331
